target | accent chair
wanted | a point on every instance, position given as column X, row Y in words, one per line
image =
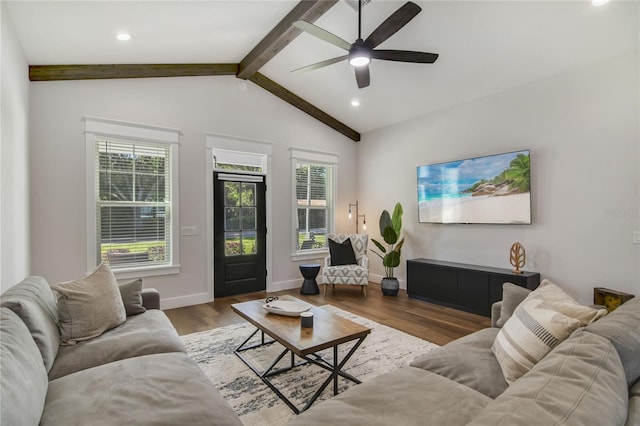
column 357, row 274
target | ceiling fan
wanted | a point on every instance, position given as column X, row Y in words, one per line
column 361, row 52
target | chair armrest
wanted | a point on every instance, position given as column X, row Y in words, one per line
column 363, row 261
column 327, row 261
column 150, row 298
column 496, row 308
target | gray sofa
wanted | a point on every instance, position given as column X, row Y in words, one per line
column 591, row 378
column 134, row 374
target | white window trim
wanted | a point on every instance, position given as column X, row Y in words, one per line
column 317, row 157
column 96, row 127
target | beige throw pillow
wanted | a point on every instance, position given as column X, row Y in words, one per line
column 90, row 306
column 544, row 319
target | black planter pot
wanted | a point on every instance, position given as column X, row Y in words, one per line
column 390, row 286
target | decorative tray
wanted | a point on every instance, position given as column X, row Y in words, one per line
column 286, row 307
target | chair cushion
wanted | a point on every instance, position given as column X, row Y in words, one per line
column 89, row 306
column 33, row 301
column 346, row 274
column 544, row 319
column 23, row 387
column 342, row 253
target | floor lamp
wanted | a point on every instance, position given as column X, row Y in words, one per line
column 358, row 216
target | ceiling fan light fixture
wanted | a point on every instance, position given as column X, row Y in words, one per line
column 359, row 56
column 359, row 61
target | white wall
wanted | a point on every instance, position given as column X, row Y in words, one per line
column 14, row 162
column 583, row 131
column 196, row 106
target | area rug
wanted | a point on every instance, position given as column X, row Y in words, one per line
column 384, row 350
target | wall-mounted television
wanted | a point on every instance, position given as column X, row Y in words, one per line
column 494, row 189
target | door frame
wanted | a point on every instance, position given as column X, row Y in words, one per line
column 233, row 143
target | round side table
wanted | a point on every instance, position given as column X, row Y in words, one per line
column 309, row 271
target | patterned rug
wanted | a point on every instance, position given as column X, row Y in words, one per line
column 385, row 349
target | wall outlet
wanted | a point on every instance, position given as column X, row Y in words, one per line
column 636, row 237
column 188, row 230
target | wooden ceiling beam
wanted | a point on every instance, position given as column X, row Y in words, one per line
column 110, row 71
column 295, row 100
column 281, row 35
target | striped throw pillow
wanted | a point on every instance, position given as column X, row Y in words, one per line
column 544, row 319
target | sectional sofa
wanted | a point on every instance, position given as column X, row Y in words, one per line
column 134, row 374
column 591, row 378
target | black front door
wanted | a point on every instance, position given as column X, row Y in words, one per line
column 239, row 231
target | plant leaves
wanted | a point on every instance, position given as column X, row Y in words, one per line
column 397, row 218
column 392, row 259
column 389, row 235
column 380, row 246
column 385, row 220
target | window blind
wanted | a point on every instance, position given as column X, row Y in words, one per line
column 314, row 183
column 133, row 193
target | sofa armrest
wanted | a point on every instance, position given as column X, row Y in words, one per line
column 150, row 298
column 496, row 308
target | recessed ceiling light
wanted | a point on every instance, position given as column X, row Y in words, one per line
column 599, row 2
column 355, row 103
column 123, row 36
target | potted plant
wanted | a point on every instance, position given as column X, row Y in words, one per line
column 390, row 228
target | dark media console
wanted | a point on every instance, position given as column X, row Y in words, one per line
column 470, row 288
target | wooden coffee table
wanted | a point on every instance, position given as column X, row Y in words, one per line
column 329, row 331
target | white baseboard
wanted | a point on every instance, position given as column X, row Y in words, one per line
column 284, row 285
column 188, row 300
column 375, row 278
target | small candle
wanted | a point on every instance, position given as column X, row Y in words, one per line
column 306, row 318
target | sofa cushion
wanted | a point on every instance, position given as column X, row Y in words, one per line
column 512, row 296
column 545, row 318
column 89, row 306
column 468, row 361
column 144, row 334
column 633, row 415
column 131, row 293
column 622, row 327
column 407, row 396
column 160, row 389
column 23, row 387
column 33, row 301
column 580, row 382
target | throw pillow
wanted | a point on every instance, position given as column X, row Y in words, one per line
column 512, row 296
column 90, row 306
column 131, row 293
column 342, row 253
column 544, row 319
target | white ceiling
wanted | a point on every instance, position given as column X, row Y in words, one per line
column 485, row 46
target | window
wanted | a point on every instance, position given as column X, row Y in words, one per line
column 133, row 200
column 314, row 176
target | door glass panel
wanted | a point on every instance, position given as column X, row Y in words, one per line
column 249, row 242
column 232, row 244
column 231, row 219
column 248, row 194
column 232, row 194
column 248, row 218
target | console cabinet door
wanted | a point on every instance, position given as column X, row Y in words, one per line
column 441, row 284
column 473, row 291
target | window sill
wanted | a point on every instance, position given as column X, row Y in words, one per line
column 147, row 271
column 309, row 255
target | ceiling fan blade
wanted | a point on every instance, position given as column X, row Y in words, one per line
column 392, row 24
column 405, row 56
column 362, row 76
column 321, row 64
column 322, row 34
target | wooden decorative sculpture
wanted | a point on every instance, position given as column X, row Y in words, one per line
column 517, row 257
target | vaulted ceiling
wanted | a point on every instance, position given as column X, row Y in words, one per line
column 485, row 47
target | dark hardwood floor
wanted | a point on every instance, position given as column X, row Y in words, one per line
column 434, row 323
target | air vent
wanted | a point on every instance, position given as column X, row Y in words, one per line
column 354, row 3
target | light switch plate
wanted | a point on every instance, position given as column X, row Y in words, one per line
column 188, row 230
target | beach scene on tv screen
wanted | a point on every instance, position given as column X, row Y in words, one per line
column 491, row 189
